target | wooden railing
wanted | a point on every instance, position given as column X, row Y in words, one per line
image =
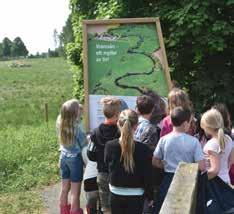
column 181, row 196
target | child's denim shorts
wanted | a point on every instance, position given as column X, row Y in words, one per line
column 71, row 168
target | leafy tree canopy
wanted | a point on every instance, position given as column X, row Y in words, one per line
column 198, row 36
column 12, row 49
column 6, row 47
column 18, row 48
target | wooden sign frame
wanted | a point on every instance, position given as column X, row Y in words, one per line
column 87, row 23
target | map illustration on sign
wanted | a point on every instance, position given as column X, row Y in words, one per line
column 122, row 60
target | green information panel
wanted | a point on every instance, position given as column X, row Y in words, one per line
column 121, row 58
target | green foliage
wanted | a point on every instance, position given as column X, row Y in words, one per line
column 199, row 47
column 198, row 36
column 66, row 36
column 1, row 49
column 18, row 48
column 86, row 10
column 6, row 47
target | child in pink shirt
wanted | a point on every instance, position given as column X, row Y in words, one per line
column 176, row 97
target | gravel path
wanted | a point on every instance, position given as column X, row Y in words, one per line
column 50, row 198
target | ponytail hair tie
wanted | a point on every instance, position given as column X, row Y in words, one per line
column 125, row 117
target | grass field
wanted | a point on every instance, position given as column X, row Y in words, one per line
column 28, row 146
column 24, row 91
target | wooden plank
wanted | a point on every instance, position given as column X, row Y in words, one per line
column 165, row 62
column 181, row 196
column 86, row 76
column 121, row 21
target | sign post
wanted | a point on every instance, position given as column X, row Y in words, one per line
column 122, row 57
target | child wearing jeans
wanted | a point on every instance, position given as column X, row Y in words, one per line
column 105, row 132
column 176, row 147
column 72, row 140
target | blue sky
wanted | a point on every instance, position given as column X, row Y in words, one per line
column 33, row 20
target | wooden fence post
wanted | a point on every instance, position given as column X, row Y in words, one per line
column 46, row 114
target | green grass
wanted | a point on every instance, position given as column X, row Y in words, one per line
column 24, row 91
column 28, row 157
column 28, row 146
column 21, row 203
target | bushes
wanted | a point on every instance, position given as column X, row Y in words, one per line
column 198, row 38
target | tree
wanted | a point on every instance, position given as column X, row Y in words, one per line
column 52, row 53
column 1, row 54
column 18, row 48
column 198, row 36
column 56, row 38
column 6, row 47
column 67, row 35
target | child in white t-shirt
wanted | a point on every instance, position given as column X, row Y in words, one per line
column 218, row 150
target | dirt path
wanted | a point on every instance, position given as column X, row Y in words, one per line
column 50, row 199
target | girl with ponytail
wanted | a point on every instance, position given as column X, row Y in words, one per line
column 218, row 150
column 130, row 168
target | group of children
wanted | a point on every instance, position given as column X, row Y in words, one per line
column 133, row 154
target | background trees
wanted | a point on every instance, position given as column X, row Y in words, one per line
column 198, row 36
column 6, row 47
column 16, row 48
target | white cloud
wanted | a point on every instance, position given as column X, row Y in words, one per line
column 33, row 20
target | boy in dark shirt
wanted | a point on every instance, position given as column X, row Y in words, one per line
column 105, row 132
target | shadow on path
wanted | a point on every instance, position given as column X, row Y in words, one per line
column 50, row 196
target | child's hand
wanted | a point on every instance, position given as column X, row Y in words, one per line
column 151, row 203
column 59, row 162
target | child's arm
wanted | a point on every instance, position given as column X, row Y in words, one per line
column 81, row 138
column 231, row 158
column 214, row 164
column 92, row 149
column 147, row 170
column 199, row 157
column 158, row 155
column 157, row 163
column 202, row 165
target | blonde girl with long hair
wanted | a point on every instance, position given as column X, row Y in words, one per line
column 217, row 150
column 72, row 140
column 130, row 168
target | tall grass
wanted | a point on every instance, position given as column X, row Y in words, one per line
column 28, row 146
column 28, row 157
